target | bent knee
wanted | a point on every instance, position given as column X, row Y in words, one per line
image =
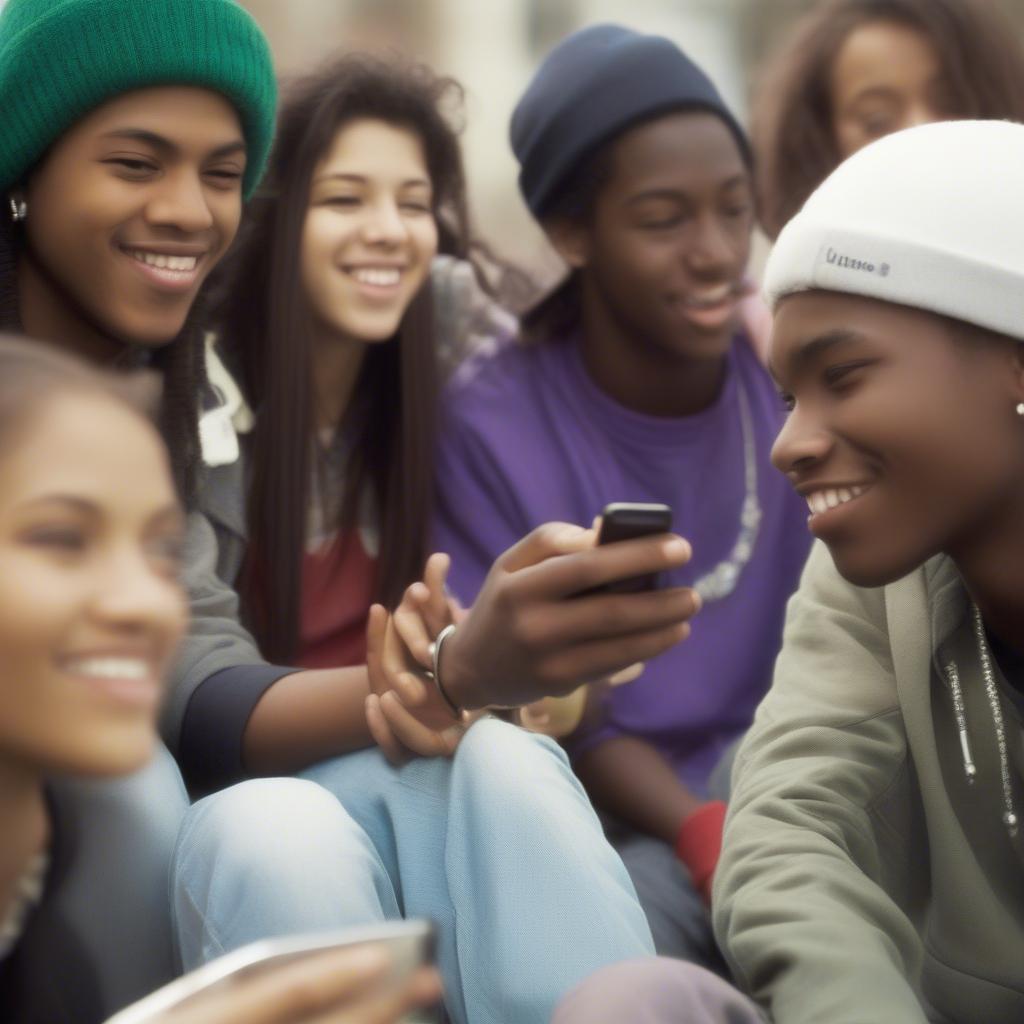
column 494, row 744
column 519, row 776
column 282, row 820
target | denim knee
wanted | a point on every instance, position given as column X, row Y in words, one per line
column 265, row 857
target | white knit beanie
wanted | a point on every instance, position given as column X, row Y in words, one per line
column 931, row 217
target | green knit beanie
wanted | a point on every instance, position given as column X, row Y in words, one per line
column 60, row 59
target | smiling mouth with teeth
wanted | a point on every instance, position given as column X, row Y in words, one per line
column 822, row 501
column 377, row 277
column 710, row 298
column 162, row 261
column 111, row 668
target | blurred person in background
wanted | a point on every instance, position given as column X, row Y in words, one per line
column 635, row 381
column 855, row 70
column 328, row 323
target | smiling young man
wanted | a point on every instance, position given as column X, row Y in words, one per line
column 634, row 381
column 873, row 865
column 132, row 134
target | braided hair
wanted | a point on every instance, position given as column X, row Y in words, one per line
column 181, row 365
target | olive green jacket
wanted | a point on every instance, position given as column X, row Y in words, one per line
column 863, row 878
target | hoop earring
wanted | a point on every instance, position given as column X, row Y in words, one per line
column 19, row 210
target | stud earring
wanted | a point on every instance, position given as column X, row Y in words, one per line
column 1020, row 408
column 19, row 210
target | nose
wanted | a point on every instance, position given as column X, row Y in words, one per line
column 132, row 596
column 180, row 201
column 802, row 444
column 383, row 224
column 712, row 250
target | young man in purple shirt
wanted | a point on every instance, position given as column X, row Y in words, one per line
column 634, row 381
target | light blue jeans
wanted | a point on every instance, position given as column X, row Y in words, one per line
column 114, row 894
column 498, row 846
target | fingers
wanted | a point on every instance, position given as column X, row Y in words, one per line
column 414, row 735
column 419, row 990
column 599, row 659
column 412, row 629
column 535, row 716
column 376, row 629
column 435, row 610
column 546, row 542
column 584, row 570
column 381, row 732
column 627, row 675
column 299, row 991
column 413, row 690
column 562, row 624
column 455, row 609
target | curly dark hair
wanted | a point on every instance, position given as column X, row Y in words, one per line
column 792, row 129
column 390, row 424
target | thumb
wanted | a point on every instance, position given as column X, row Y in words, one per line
column 547, row 541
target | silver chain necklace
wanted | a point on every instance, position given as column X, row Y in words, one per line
column 1010, row 819
column 722, row 579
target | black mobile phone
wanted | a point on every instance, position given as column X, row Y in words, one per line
column 625, row 520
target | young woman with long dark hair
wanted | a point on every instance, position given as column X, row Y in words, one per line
column 855, row 70
column 334, row 511
column 329, row 327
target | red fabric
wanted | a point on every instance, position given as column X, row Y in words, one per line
column 699, row 844
column 337, row 590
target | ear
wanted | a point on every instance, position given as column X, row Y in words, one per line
column 571, row 241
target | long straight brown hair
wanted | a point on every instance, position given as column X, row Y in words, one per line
column 794, row 139
column 265, row 318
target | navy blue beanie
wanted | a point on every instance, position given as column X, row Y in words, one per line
column 594, row 85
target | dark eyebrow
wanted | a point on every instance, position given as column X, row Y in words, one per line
column 813, row 349
column 165, row 145
column 676, row 195
column 79, row 504
column 360, row 179
column 169, row 514
column 672, row 195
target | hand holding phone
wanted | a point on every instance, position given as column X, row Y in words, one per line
column 377, row 973
column 627, row 521
column 530, row 635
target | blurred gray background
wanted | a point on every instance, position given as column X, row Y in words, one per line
column 492, row 46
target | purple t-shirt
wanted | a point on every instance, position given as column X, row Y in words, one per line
column 528, row 437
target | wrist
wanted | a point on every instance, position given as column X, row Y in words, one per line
column 452, row 676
